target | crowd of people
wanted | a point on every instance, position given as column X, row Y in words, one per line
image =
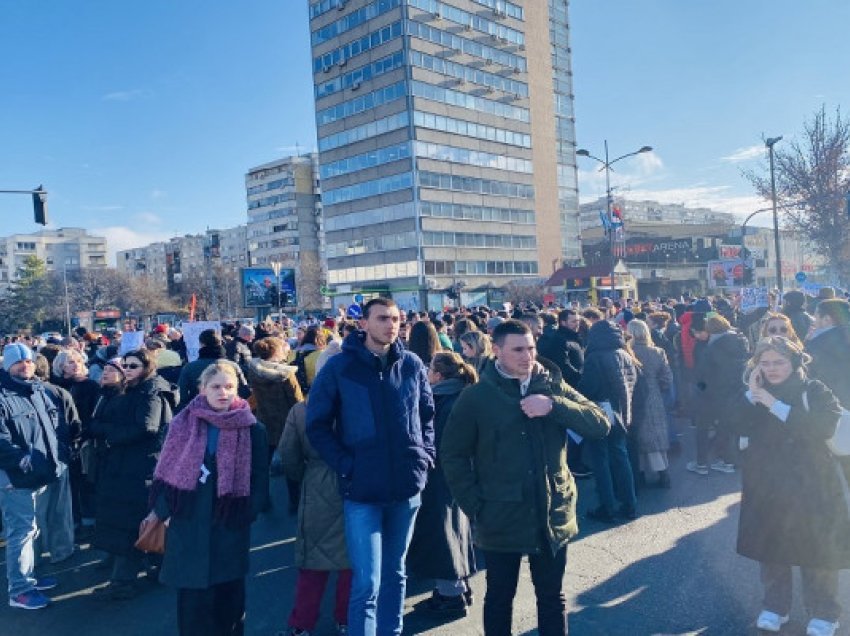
column 425, row 444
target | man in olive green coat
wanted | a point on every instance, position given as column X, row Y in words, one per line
column 504, row 457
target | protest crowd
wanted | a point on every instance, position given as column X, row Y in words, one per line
column 428, row 445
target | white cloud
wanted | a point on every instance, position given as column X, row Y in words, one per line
column 745, row 154
column 158, row 194
column 119, row 237
column 634, row 171
column 149, row 218
column 718, row 198
column 126, row 96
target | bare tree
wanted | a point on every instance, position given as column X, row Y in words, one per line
column 147, row 298
column 812, row 182
column 92, row 289
column 525, row 291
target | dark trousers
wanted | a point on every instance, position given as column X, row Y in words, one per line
column 820, row 591
column 218, row 610
column 720, row 446
column 547, row 575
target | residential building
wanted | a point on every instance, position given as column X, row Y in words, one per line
column 285, row 222
column 68, row 248
column 650, row 212
column 447, row 161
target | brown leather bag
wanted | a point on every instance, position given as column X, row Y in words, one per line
column 151, row 536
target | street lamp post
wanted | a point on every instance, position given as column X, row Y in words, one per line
column 770, row 143
column 276, row 267
column 606, row 165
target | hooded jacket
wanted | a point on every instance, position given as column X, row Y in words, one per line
column 719, row 374
column 373, row 425
column 610, row 374
column 276, row 391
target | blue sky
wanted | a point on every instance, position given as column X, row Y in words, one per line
column 141, row 119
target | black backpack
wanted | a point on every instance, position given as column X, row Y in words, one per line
column 301, row 373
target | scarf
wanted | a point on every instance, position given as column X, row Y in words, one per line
column 179, row 467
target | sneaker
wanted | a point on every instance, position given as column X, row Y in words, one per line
column 820, row 627
column 117, row 591
column 445, row 605
column 627, row 513
column 45, row 583
column 699, row 469
column 33, row 600
column 770, row 621
column 722, row 467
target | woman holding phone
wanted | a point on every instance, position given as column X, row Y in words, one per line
column 793, row 507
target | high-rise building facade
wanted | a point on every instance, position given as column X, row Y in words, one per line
column 285, row 222
column 446, row 144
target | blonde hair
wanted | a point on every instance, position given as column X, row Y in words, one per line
column 639, row 330
column 63, row 357
column 221, row 366
column 479, row 342
column 781, row 345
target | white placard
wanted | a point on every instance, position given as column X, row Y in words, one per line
column 130, row 341
column 191, row 331
column 753, row 298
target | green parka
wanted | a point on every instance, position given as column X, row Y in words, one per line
column 508, row 472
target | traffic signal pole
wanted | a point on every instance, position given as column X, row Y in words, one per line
column 39, row 202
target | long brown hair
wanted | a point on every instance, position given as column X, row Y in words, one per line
column 450, row 365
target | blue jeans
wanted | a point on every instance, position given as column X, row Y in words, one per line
column 611, row 464
column 19, row 527
column 55, row 520
column 377, row 537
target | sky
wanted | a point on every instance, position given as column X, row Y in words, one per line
column 141, row 119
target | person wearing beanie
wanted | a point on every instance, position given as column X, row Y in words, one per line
column 719, row 368
column 29, row 460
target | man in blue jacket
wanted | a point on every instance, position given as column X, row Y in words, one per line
column 370, row 417
column 29, row 460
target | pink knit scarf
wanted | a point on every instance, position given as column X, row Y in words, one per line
column 179, row 466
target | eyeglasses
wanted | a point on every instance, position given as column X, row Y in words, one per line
column 132, row 367
column 776, row 330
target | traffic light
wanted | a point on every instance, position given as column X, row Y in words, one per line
column 39, row 205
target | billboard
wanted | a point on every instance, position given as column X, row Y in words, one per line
column 259, row 287
column 725, row 273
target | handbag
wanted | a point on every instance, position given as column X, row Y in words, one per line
column 838, row 444
column 151, row 536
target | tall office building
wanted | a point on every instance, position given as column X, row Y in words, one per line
column 285, row 222
column 447, row 144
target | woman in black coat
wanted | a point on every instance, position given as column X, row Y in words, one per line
column 793, row 507
column 441, row 547
column 134, row 407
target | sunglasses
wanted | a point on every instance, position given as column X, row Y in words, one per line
column 131, row 366
column 775, row 330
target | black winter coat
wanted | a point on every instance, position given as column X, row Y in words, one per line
column 830, row 351
column 129, row 428
column 719, row 369
column 609, row 374
column 793, row 507
column 441, row 547
column 562, row 347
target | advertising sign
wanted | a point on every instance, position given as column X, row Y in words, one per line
column 725, row 273
column 259, row 287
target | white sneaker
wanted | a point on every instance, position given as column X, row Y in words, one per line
column 820, row 627
column 770, row 621
column 699, row 469
column 722, row 467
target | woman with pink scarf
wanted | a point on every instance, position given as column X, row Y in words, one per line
column 211, row 482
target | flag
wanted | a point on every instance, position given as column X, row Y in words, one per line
column 617, row 214
column 193, row 305
column 605, row 224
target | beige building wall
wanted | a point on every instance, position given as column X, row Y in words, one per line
column 538, row 51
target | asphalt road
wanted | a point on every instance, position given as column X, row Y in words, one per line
column 674, row 570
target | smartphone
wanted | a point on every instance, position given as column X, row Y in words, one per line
column 759, row 378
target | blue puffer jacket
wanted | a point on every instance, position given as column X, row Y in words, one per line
column 373, row 426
